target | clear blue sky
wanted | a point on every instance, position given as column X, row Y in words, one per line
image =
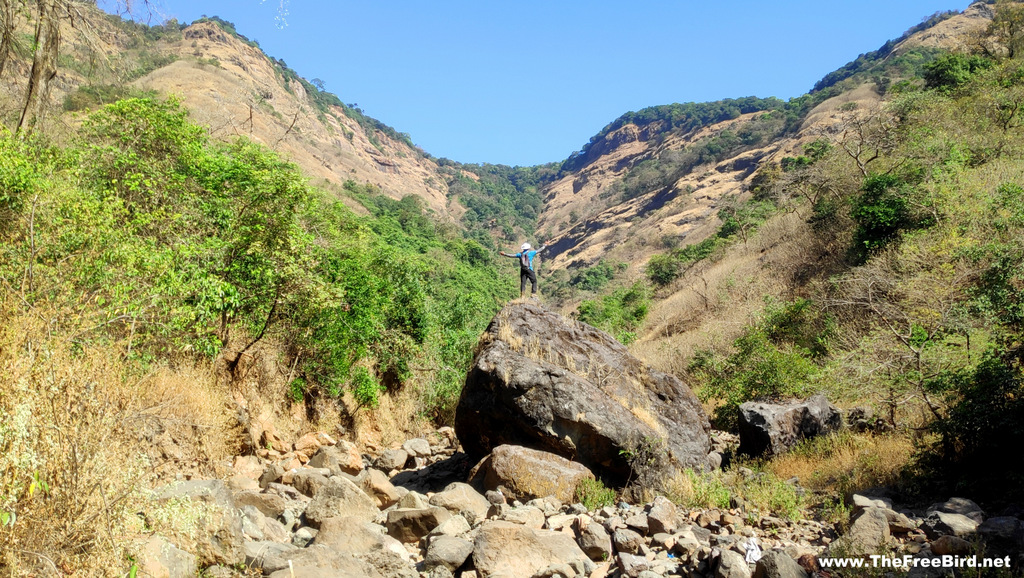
column 528, row 82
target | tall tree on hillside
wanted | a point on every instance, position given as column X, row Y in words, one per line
column 49, row 15
column 9, row 13
column 45, row 47
column 1008, row 26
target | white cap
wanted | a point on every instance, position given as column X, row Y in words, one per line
column 525, row 247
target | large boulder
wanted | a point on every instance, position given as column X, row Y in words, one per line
column 553, row 384
column 526, row 474
column 771, row 429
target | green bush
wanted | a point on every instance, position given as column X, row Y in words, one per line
column 773, row 359
column 880, row 213
column 619, row 313
column 954, row 70
column 593, row 494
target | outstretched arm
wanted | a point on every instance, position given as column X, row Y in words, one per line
column 504, row 254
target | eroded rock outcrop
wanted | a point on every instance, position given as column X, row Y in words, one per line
column 545, row 382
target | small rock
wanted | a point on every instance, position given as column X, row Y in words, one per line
column 628, row 541
column 392, row 460
column 946, row 545
column 417, row 448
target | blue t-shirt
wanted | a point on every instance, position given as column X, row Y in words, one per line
column 529, row 257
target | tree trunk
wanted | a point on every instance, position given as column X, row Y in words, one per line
column 8, row 22
column 44, row 64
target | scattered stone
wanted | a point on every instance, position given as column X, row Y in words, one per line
column 638, row 522
column 776, row 564
column 732, row 565
column 945, row 545
column 632, row 565
column 340, row 498
column 342, row 458
column 663, row 516
column 393, row 459
column 528, row 516
column 454, row 526
column 158, row 557
column 268, row 556
column 447, row 551
column 417, row 448
column 459, row 497
column 309, row 482
column 943, row 523
column 961, row 506
column 507, row 549
column 408, row 525
column 595, row 542
column 377, row 485
column 628, row 541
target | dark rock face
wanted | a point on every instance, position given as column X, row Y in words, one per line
column 556, row 385
column 773, row 428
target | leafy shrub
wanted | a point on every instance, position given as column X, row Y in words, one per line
column 953, row 70
column 985, row 418
column 774, row 359
column 594, row 495
column 619, row 313
column 880, row 213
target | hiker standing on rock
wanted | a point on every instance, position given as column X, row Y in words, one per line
column 525, row 256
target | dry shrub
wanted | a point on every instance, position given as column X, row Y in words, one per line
column 74, row 453
column 846, row 462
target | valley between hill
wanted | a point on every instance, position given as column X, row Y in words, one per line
column 208, row 261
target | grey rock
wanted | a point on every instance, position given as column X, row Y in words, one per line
column 868, row 531
column 638, row 522
column 454, row 526
column 961, row 506
column 632, row 565
column 417, row 448
column 303, row 536
column 340, row 498
column 392, row 460
column 507, row 549
column 158, row 557
column 268, row 504
column 447, row 551
column 339, row 459
column 771, row 429
column 944, row 523
column 662, row 517
column 529, row 516
column 517, row 395
column 269, row 556
column 459, row 497
column 322, row 562
column 776, row 564
column 628, row 541
column 309, row 482
column 409, row 525
column 525, row 474
column 732, row 565
column 951, row 545
column 595, row 542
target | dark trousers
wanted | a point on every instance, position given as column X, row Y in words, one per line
column 525, row 274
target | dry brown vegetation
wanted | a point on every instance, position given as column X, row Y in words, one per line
column 83, row 434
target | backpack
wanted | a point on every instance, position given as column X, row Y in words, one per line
column 524, row 260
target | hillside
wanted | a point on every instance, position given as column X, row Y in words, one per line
column 211, row 269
